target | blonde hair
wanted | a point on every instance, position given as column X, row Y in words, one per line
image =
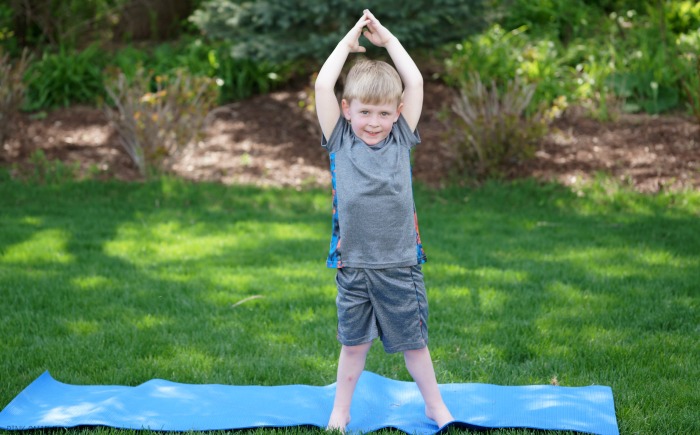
column 373, row 82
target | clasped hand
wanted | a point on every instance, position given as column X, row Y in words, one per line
column 374, row 32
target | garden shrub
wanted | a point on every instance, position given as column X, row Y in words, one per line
column 238, row 78
column 566, row 20
column 633, row 63
column 12, row 90
column 66, row 77
column 288, row 30
column 492, row 131
column 683, row 16
column 688, row 64
column 157, row 121
column 500, row 56
column 644, row 74
column 242, row 78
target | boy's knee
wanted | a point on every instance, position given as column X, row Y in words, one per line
column 358, row 350
column 417, row 354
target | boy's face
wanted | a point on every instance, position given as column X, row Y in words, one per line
column 371, row 122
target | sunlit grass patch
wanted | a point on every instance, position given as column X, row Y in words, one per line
column 117, row 283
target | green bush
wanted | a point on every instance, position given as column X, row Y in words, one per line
column 683, row 16
column 242, row 78
column 237, row 78
column 155, row 126
column 688, row 64
column 605, row 62
column 70, row 76
column 565, row 20
column 644, row 75
column 66, row 77
column 500, row 56
column 289, row 30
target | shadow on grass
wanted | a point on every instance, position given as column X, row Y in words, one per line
column 113, row 282
column 534, row 284
column 528, row 284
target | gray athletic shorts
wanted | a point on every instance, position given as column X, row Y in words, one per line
column 387, row 303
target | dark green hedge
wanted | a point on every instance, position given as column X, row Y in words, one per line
column 279, row 30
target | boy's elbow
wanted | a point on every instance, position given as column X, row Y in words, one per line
column 416, row 83
column 413, row 80
column 321, row 86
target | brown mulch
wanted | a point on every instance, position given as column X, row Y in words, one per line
column 272, row 140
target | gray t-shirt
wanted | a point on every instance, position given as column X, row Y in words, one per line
column 374, row 218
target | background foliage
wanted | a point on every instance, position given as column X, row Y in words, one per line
column 606, row 56
column 287, row 29
column 633, row 54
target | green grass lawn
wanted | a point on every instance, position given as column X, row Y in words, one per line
column 118, row 283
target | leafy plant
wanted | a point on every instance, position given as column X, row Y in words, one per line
column 683, row 16
column 156, row 121
column 12, row 90
column 237, row 78
column 66, row 77
column 288, row 30
column 493, row 130
column 499, row 56
column 688, row 63
column 567, row 20
column 42, row 170
column 644, row 74
column 242, row 78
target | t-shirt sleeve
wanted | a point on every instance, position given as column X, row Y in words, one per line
column 403, row 133
column 334, row 142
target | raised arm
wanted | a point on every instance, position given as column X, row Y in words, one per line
column 327, row 108
column 409, row 72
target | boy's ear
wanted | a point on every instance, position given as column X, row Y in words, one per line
column 398, row 111
column 346, row 108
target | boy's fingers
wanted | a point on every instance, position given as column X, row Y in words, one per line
column 370, row 16
column 362, row 21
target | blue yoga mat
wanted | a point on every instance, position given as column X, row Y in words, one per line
column 378, row 403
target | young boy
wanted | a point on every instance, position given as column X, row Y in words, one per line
column 376, row 246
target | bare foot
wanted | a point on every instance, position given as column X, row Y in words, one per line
column 338, row 422
column 440, row 415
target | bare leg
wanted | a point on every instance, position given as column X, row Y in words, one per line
column 350, row 366
column 420, row 366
